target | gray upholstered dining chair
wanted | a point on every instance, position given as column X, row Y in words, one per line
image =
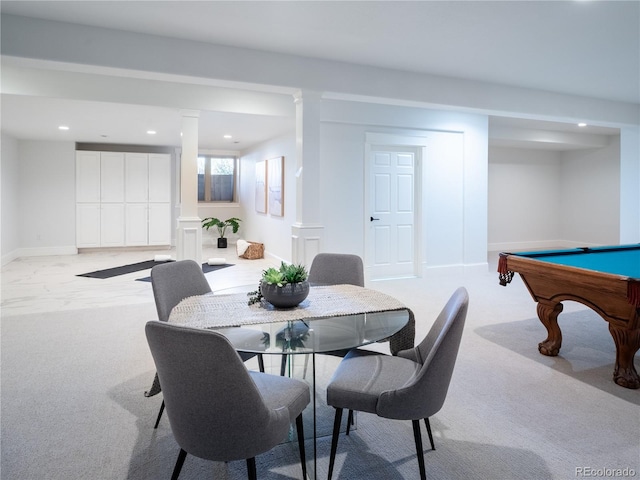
column 345, row 268
column 410, row 386
column 335, row 269
column 172, row 282
column 218, row 410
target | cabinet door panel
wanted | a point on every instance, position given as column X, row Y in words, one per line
column 159, row 224
column 112, row 225
column 112, row 177
column 136, row 230
column 137, row 177
column 88, row 177
column 88, row 225
column 159, row 178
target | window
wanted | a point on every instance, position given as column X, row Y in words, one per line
column 216, row 178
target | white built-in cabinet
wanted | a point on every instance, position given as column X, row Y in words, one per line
column 100, row 199
column 122, row 199
column 148, row 199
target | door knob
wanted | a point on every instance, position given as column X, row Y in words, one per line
column 372, row 219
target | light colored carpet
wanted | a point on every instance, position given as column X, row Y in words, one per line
column 73, row 404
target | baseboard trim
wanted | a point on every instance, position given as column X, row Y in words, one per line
column 38, row 252
column 9, row 257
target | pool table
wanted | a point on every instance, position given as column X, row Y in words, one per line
column 605, row 279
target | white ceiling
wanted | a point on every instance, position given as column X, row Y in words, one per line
column 589, row 48
column 38, row 118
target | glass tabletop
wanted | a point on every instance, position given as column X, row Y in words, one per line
column 316, row 335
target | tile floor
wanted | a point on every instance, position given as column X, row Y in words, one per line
column 44, row 284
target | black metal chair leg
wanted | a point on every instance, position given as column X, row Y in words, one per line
column 334, row 440
column 251, row 468
column 159, row 415
column 303, row 456
column 418, row 438
column 349, row 421
column 426, row 422
column 176, row 470
column 261, row 362
column 283, row 365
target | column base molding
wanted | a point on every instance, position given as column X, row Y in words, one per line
column 306, row 242
column 189, row 239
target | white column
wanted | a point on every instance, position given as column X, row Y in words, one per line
column 189, row 232
column 307, row 232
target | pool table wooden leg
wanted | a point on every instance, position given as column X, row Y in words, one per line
column 627, row 344
column 548, row 314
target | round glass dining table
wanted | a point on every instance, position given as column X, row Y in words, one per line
column 311, row 337
column 319, row 335
column 315, row 336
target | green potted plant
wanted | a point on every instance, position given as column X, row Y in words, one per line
column 222, row 226
column 283, row 287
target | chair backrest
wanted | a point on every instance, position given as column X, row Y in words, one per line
column 424, row 395
column 173, row 282
column 214, row 407
column 336, row 269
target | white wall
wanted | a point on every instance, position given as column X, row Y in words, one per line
column 454, row 182
column 630, row 184
column 444, row 186
column 9, row 175
column 47, row 197
column 454, row 137
column 547, row 199
column 524, row 199
column 342, row 210
column 38, row 198
column 590, row 196
column 273, row 231
column 535, row 198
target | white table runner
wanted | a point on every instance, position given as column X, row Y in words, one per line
column 211, row 311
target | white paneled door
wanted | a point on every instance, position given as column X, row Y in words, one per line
column 391, row 239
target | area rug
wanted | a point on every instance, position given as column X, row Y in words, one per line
column 123, row 270
column 206, row 268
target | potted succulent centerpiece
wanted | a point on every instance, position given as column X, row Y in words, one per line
column 222, row 225
column 283, row 287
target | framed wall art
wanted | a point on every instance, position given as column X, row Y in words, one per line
column 261, row 186
column 275, row 185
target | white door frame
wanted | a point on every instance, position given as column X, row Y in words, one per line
column 418, row 141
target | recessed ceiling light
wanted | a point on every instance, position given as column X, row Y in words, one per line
column 228, row 136
column 582, row 124
column 151, row 132
column 63, row 127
